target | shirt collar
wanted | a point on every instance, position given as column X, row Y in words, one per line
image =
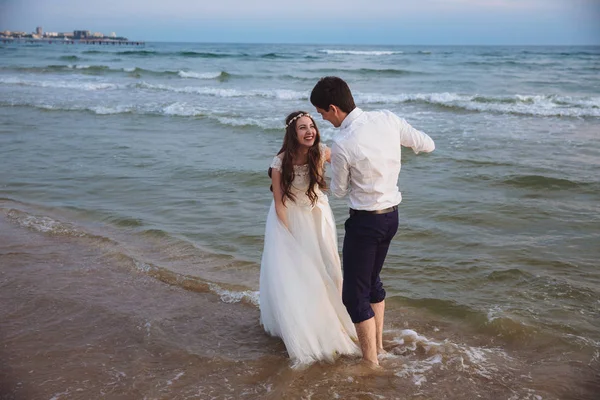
column 354, row 114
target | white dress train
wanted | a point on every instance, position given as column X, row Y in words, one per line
column 301, row 279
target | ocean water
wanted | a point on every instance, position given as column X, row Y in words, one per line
column 145, row 169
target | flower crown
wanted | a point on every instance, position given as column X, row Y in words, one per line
column 296, row 117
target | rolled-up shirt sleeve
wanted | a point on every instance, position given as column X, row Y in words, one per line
column 414, row 138
column 340, row 171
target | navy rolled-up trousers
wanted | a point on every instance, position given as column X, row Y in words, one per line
column 366, row 244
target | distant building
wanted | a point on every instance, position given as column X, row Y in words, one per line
column 78, row 36
column 81, row 34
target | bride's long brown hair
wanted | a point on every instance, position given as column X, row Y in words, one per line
column 289, row 148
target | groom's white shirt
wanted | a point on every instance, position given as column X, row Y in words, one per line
column 365, row 157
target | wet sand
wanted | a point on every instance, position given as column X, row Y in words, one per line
column 79, row 321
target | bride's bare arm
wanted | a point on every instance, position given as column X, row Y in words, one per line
column 278, row 197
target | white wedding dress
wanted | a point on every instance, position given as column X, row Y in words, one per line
column 301, row 279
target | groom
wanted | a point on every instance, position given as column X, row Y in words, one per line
column 365, row 162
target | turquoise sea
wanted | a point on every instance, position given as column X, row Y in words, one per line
column 155, row 158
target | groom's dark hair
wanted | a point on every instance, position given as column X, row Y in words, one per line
column 332, row 90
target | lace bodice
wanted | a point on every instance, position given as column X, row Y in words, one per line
column 301, row 177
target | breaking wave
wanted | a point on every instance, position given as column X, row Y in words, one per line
column 61, row 84
column 361, row 52
column 104, row 70
column 175, row 109
column 280, row 94
column 537, row 105
column 370, row 72
column 527, row 105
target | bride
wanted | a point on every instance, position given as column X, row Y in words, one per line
column 300, row 276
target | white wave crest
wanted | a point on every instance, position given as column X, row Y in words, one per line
column 527, row 105
column 99, row 110
column 105, row 110
column 43, row 224
column 362, row 52
column 494, row 313
column 484, row 362
column 228, row 296
column 258, row 122
column 196, row 75
column 183, row 110
column 61, row 84
column 535, row 105
column 280, row 94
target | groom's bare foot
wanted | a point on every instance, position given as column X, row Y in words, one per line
column 371, row 365
column 382, row 354
column 370, row 368
column 364, row 368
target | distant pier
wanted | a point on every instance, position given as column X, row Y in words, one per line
column 87, row 41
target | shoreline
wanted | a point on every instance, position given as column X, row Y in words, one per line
column 79, row 321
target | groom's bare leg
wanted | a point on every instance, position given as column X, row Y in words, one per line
column 367, row 336
column 379, row 310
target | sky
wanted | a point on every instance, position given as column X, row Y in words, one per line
column 403, row 22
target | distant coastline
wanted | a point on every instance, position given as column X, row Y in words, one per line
column 74, row 37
